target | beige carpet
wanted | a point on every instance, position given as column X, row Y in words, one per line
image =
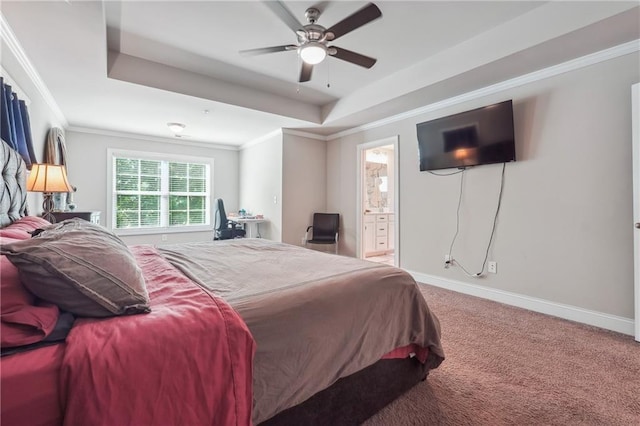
column 509, row 366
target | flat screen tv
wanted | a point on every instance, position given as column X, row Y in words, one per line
column 480, row 136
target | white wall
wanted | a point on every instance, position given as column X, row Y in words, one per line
column 283, row 177
column 87, row 163
column 304, row 184
column 260, row 185
column 564, row 232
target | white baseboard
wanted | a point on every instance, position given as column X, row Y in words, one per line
column 573, row 313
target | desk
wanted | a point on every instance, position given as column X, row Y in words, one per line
column 89, row 216
column 249, row 224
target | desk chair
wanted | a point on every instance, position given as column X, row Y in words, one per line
column 324, row 230
column 224, row 229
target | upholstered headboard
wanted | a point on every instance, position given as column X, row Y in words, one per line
column 13, row 192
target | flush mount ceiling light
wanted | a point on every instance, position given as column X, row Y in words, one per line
column 176, row 127
column 313, row 52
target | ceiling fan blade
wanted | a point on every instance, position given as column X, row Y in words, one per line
column 273, row 49
column 353, row 57
column 284, row 14
column 355, row 20
column 305, row 72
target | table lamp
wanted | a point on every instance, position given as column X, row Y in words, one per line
column 48, row 178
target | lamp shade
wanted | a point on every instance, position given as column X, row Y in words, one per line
column 313, row 52
column 48, row 178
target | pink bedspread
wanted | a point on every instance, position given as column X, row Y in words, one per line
column 29, row 385
column 187, row 362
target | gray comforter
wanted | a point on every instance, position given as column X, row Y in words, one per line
column 315, row 317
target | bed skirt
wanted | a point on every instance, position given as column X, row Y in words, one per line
column 353, row 399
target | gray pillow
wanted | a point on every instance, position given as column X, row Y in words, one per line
column 81, row 267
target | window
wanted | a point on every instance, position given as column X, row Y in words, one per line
column 150, row 192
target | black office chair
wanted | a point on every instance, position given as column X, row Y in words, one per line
column 224, row 229
column 324, row 230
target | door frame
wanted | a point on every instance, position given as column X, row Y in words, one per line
column 635, row 117
column 361, row 148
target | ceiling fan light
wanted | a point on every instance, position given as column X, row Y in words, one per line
column 176, row 127
column 313, row 53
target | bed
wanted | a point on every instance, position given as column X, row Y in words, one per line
column 232, row 332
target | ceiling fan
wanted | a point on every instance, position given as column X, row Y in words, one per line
column 313, row 39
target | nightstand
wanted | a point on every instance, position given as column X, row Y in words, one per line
column 93, row 216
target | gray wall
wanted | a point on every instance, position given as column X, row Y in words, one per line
column 564, row 232
column 87, row 162
column 304, row 185
column 284, row 178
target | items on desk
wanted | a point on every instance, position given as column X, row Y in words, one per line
column 250, row 223
column 243, row 214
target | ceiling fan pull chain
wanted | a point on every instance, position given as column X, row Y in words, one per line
column 297, row 67
column 328, row 74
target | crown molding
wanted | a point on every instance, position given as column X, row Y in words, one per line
column 571, row 65
column 300, row 133
column 282, row 132
column 14, row 86
column 137, row 136
column 261, row 139
column 8, row 36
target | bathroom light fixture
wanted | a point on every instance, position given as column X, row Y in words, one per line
column 376, row 156
column 313, row 52
column 176, row 127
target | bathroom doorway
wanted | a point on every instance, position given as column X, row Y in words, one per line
column 378, row 201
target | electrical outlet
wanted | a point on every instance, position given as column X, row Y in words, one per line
column 163, row 237
column 447, row 260
column 493, row 267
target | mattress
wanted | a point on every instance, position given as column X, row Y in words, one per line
column 315, row 317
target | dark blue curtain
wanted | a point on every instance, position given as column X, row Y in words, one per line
column 15, row 125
